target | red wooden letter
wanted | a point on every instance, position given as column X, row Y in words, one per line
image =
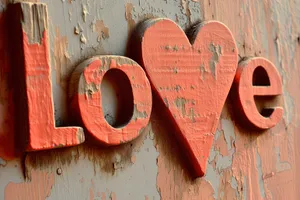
column 87, row 98
column 35, row 103
column 258, row 77
column 192, row 78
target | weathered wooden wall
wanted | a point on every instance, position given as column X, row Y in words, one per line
column 242, row 164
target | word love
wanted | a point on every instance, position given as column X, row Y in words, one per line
column 191, row 77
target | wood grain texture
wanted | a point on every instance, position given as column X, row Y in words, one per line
column 243, row 164
column 86, row 98
column 193, row 78
column 36, row 113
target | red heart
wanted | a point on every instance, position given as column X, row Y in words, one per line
column 192, row 78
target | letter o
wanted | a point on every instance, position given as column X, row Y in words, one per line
column 86, row 98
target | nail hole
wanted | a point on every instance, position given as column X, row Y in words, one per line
column 59, row 171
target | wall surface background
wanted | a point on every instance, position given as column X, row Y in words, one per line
column 242, row 164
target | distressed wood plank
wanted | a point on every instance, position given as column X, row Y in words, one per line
column 35, row 124
column 193, row 78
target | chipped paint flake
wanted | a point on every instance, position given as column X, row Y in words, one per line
column 84, row 12
column 39, row 187
column 101, row 29
column 82, row 38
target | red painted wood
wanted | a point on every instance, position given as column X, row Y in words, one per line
column 192, row 78
column 87, row 99
column 42, row 133
column 247, row 91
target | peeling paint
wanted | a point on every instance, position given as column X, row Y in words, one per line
column 84, row 12
column 39, row 187
column 260, row 176
column 137, row 114
column 217, row 52
column 128, row 15
column 281, row 166
column 101, row 29
column 242, row 165
column 221, row 158
column 62, row 60
column 82, row 38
